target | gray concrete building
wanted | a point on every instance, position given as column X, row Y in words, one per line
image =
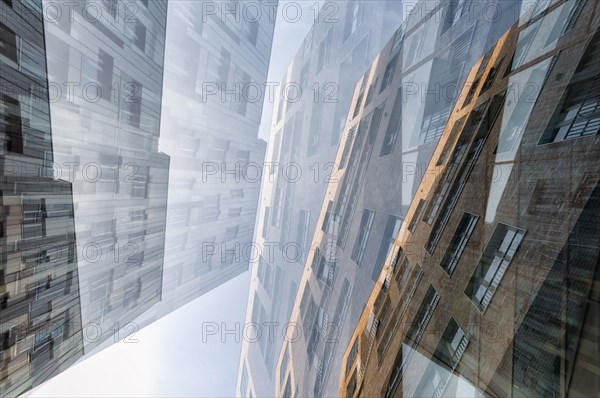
column 309, row 115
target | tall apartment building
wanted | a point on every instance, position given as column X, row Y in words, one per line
column 40, row 315
column 492, row 286
column 310, row 112
column 216, row 65
column 398, row 112
column 105, row 66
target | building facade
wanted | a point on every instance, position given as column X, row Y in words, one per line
column 216, row 65
column 40, row 314
column 492, row 285
column 311, row 108
column 105, row 66
column 397, row 115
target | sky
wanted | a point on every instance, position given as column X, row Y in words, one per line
column 170, row 357
column 290, row 31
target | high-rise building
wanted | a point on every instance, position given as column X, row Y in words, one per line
column 40, row 315
column 398, row 113
column 216, row 68
column 310, row 113
column 492, row 286
column 105, row 66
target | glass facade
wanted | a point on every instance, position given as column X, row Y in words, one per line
column 40, row 313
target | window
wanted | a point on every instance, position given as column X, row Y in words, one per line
column 459, row 241
column 578, row 114
column 325, row 270
column 302, row 234
column 136, row 32
column 131, row 293
column 308, row 43
column 351, row 388
column 324, row 51
column 347, row 147
column 388, row 75
column 413, row 336
column 398, row 36
column 456, row 9
column 459, row 168
column 284, row 363
column 312, row 146
column 231, row 233
column 210, row 208
column 239, row 103
column 291, row 298
column 422, row 317
column 242, row 157
column 353, row 15
column 132, row 102
column 327, row 219
column 33, row 217
column 416, row 216
column 139, row 184
column 303, row 82
column 250, row 28
column 8, row 43
column 414, row 46
column 352, row 355
column 363, row 236
column 218, row 150
column 446, row 357
column 265, row 227
column 105, row 74
column 493, row 264
column 234, row 212
column 434, row 123
column 358, row 104
column 12, row 124
column 389, row 235
column 393, row 128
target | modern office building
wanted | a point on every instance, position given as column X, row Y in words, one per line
column 105, row 67
column 492, row 287
column 215, row 72
column 40, row 316
column 398, row 112
column 310, row 112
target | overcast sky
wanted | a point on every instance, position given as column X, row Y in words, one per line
column 170, row 358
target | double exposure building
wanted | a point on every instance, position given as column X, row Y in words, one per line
column 105, row 66
column 310, row 112
column 40, row 315
column 492, row 288
column 398, row 113
column 215, row 72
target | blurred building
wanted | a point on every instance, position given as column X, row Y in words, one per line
column 215, row 72
column 398, row 113
column 492, row 286
column 310, row 112
column 40, row 314
column 105, row 66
